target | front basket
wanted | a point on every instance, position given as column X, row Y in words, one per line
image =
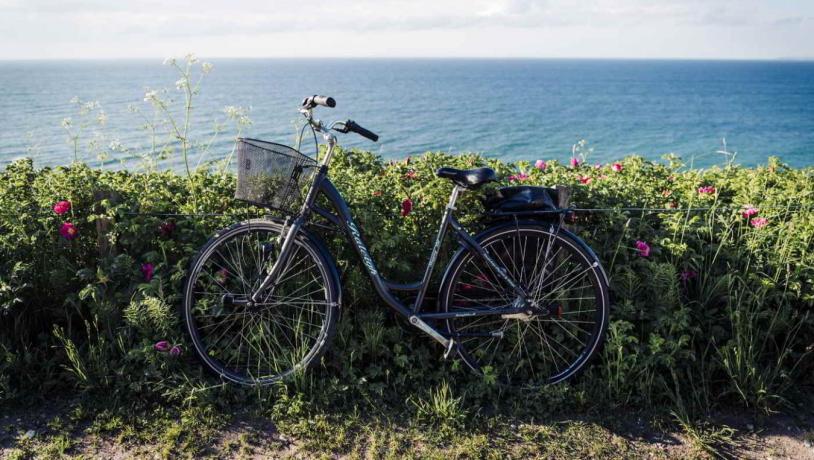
column 272, row 175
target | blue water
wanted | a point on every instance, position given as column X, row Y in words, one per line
column 511, row 109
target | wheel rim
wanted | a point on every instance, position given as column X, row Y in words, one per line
column 264, row 342
column 536, row 350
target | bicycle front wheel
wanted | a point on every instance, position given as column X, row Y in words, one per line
column 559, row 274
column 259, row 343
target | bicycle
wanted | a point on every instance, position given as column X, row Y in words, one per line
column 525, row 301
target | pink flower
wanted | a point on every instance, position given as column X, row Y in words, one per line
column 166, row 228
column 687, row 275
column 377, row 193
column 665, row 193
column 759, row 222
column 585, row 180
column 519, row 177
column 707, row 189
column 406, row 207
column 617, row 167
column 598, row 166
column 61, row 207
column 575, row 162
column 602, row 176
column 410, row 175
column 147, row 270
column 176, row 351
column 68, row 231
column 540, row 164
column 161, row 346
column 643, row 248
column 222, row 274
column 749, row 211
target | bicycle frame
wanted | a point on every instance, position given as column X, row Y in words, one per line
column 343, row 219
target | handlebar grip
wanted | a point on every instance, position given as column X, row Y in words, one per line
column 312, row 101
column 353, row 126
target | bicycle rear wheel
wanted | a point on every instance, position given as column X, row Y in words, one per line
column 559, row 274
column 258, row 344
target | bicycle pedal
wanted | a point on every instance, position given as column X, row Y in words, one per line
column 449, row 348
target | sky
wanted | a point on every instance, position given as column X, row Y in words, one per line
column 704, row 29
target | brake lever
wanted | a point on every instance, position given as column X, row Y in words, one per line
column 343, row 129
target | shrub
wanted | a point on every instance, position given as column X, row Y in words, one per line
column 715, row 312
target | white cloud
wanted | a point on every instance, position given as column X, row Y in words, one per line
column 96, row 28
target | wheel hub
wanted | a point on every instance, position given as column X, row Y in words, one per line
column 531, row 310
column 233, row 301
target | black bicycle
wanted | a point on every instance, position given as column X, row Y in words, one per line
column 525, row 301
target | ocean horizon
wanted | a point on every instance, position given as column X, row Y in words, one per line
column 512, row 109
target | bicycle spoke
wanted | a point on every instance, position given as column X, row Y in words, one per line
column 256, row 342
column 528, row 348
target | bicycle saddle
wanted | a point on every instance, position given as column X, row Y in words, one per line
column 468, row 178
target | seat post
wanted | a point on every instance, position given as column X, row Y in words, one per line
column 453, row 197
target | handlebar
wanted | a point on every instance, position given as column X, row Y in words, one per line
column 312, row 101
column 351, row 125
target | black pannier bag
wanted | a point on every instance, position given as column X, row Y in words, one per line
column 521, row 199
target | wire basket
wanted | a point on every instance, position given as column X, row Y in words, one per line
column 272, row 175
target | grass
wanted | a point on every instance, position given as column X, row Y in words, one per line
column 82, row 429
column 193, row 436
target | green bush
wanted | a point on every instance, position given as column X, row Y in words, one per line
column 717, row 314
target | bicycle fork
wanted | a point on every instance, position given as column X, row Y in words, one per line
column 288, row 240
column 282, row 261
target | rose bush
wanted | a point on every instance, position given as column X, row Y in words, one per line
column 710, row 307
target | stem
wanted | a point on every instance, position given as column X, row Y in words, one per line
column 187, row 110
column 228, row 161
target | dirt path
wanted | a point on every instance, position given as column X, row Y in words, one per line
column 50, row 433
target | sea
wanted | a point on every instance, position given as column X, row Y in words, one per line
column 512, row 109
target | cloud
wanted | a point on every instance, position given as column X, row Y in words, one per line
column 39, row 25
column 793, row 21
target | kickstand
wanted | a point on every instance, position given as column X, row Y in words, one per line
column 451, row 345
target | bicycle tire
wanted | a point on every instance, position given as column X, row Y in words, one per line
column 459, row 277
column 269, row 329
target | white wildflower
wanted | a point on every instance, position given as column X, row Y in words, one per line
column 238, row 114
column 67, row 122
column 191, row 58
column 206, row 67
column 74, row 100
column 151, row 95
column 181, row 83
column 89, row 106
column 231, row 111
column 169, row 61
column 116, row 145
column 102, row 118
